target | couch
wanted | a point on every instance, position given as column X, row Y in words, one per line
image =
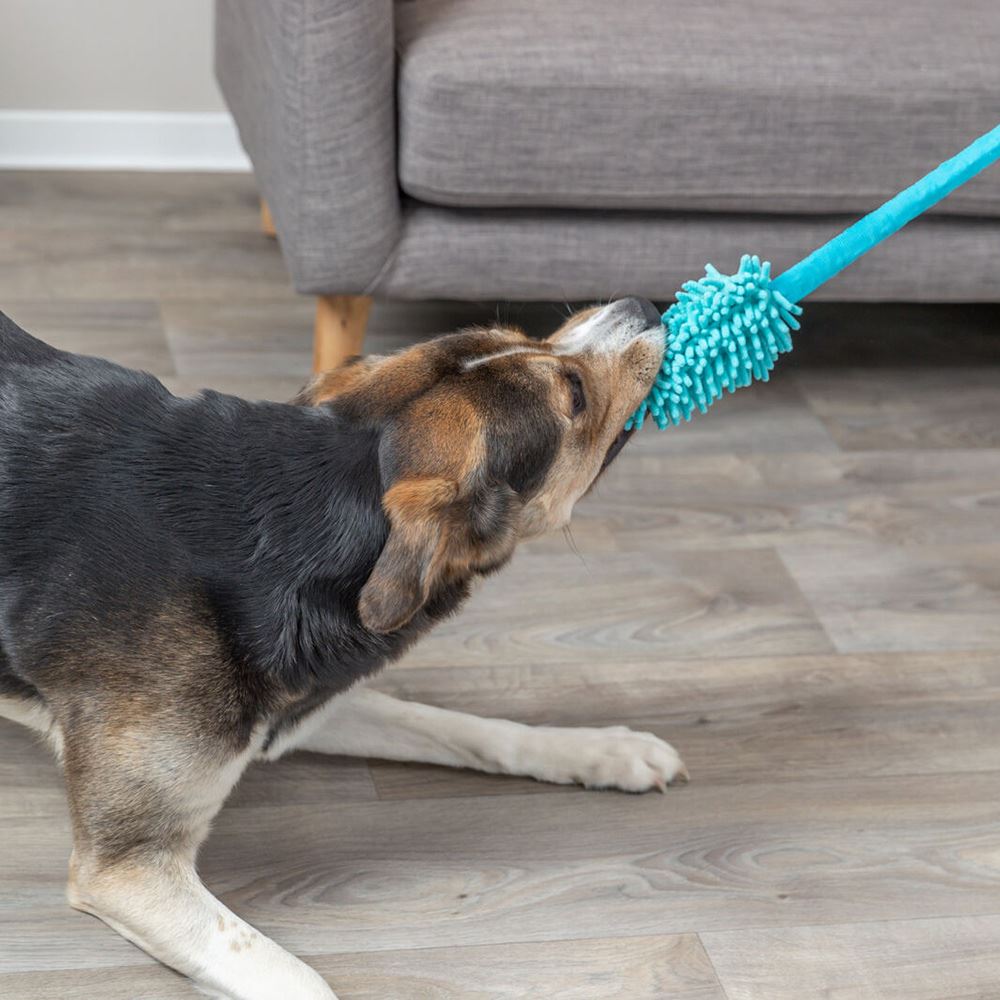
column 577, row 149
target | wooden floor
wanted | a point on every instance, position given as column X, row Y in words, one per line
column 801, row 591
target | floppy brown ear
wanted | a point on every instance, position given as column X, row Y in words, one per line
column 439, row 534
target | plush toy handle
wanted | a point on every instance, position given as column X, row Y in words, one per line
column 831, row 258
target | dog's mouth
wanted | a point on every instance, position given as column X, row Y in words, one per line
column 616, row 447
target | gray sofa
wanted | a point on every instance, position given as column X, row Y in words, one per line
column 574, row 149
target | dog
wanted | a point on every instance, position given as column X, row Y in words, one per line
column 189, row 585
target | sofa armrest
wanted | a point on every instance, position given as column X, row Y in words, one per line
column 311, row 84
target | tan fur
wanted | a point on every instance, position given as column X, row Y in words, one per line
column 388, row 380
column 147, row 725
column 429, row 545
column 445, row 437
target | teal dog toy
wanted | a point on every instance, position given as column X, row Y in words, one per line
column 724, row 331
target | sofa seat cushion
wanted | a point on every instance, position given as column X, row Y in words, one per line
column 764, row 106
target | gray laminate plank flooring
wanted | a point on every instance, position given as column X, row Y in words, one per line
column 801, row 590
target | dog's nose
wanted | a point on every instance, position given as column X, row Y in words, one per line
column 649, row 312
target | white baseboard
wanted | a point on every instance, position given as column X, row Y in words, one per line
column 120, row 140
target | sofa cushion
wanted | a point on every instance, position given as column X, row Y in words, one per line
column 762, row 106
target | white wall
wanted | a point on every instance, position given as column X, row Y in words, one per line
column 107, row 55
column 106, row 83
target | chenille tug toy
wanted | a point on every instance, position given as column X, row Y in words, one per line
column 724, row 331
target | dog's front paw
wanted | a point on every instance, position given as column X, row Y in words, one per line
column 615, row 757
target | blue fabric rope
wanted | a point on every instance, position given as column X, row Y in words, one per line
column 843, row 250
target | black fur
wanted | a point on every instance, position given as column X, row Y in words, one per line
column 116, row 496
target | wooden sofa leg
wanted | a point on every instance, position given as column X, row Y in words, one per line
column 267, row 220
column 340, row 329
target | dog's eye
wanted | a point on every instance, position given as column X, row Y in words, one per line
column 577, row 394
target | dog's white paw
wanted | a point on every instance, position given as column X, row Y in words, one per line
column 615, row 757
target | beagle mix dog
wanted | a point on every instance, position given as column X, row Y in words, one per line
column 188, row 585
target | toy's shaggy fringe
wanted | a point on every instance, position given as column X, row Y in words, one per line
column 723, row 332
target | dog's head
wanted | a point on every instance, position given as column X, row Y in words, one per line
column 487, row 437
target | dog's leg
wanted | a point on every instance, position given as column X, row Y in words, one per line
column 144, row 786
column 364, row 723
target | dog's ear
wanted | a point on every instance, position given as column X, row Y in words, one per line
column 440, row 533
